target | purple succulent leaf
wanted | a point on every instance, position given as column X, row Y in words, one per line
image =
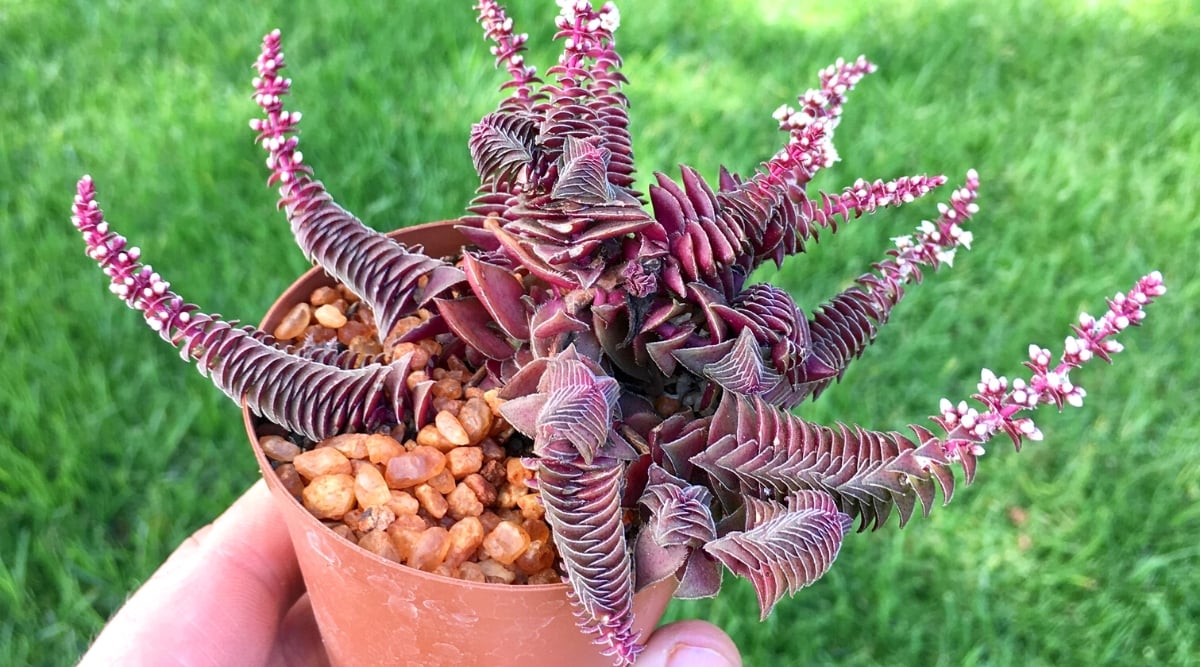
column 866, row 472
column 743, row 371
column 701, row 577
column 583, row 510
column 611, row 223
column 668, row 210
column 702, row 198
column 709, row 301
column 662, row 352
column 785, row 546
column 485, row 205
column 583, row 177
column 660, row 312
column 472, row 323
column 521, row 255
column 614, row 339
column 675, row 440
column 727, row 181
column 522, row 413
column 574, row 403
column 724, row 248
column 675, row 198
column 696, row 359
column 578, row 414
column 680, row 513
column 738, row 367
column 500, row 293
column 552, row 319
column 654, row 562
column 502, row 147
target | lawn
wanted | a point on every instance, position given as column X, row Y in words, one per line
column 1080, row 117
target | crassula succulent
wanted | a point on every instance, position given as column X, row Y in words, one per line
column 649, row 383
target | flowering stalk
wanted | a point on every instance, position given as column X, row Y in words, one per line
column 842, row 328
column 810, row 129
column 385, row 274
column 509, row 50
column 967, row 428
column 243, row 362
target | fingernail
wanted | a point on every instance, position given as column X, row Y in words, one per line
column 685, row 655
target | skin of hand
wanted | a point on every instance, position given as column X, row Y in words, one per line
column 232, row 594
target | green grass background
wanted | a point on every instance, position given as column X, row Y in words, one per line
column 1081, row 118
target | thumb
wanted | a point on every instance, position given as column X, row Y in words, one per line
column 689, row 644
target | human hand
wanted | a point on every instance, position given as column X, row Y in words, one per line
column 232, row 594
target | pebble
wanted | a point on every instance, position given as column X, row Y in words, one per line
column 462, row 502
column 317, row 335
column 462, row 461
column 443, row 482
column 379, row 543
column 430, row 436
column 329, row 316
column 324, row 295
column 537, row 557
column 451, row 429
column 420, row 358
column 497, row 573
column 470, row 571
column 431, row 501
column 531, row 506
column 415, row 467
column 329, row 496
column 508, row 495
column 404, row 532
column 475, row 417
column 538, row 530
column 322, row 461
column 279, row 449
column 291, row 480
column 294, row 323
column 364, row 345
column 517, row 472
column 352, row 445
column 546, row 576
column 484, row 490
column 490, row 520
column 506, row 542
column 370, row 488
column 373, row 518
column 430, row 549
column 355, row 329
column 465, row 537
column 402, row 502
column 382, row 448
column 447, row 387
column 493, row 470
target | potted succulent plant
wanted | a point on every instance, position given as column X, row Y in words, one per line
column 577, row 388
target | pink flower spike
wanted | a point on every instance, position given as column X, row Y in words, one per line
column 508, row 48
column 967, row 429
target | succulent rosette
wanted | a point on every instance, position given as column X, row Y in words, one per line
column 649, row 382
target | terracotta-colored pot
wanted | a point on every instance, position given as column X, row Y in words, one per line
column 372, row 611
